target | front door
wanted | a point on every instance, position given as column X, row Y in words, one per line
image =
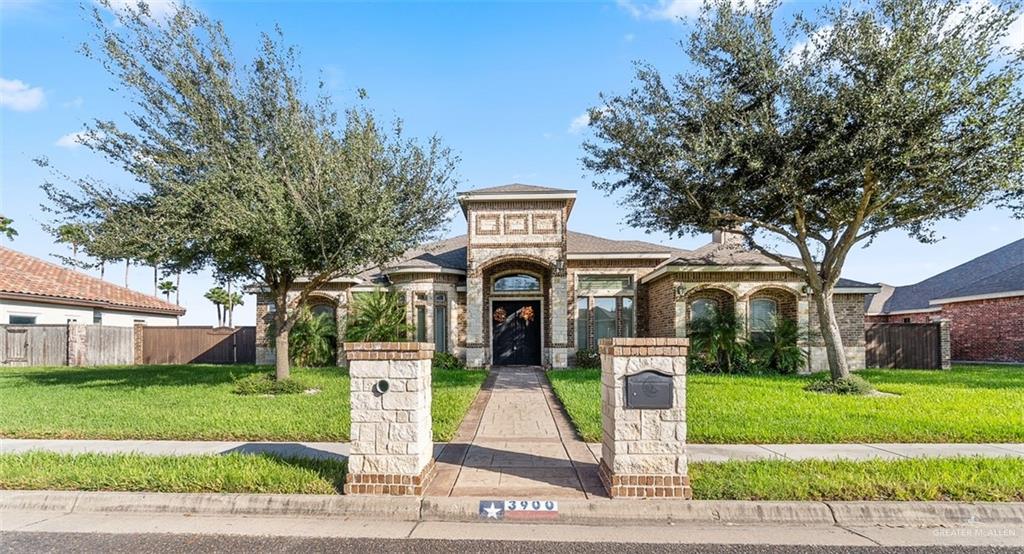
column 515, row 331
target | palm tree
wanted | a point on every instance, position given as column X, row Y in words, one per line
column 167, row 287
column 231, row 300
column 312, row 342
column 378, row 316
column 218, row 296
column 716, row 337
column 778, row 349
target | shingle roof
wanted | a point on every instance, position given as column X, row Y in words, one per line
column 27, row 277
column 517, row 187
column 728, row 253
column 997, row 271
column 451, row 253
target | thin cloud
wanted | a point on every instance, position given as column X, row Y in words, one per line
column 75, row 103
column 158, row 9
column 579, row 123
column 73, row 140
column 674, row 10
column 19, row 96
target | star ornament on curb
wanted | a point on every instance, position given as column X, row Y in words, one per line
column 493, row 511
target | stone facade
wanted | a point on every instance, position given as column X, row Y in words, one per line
column 391, row 441
column 523, row 230
column 643, row 451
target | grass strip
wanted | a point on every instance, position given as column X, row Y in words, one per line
column 960, row 479
column 230, row 473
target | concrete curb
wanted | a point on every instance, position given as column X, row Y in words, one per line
column 586, row 512
column 926, row 514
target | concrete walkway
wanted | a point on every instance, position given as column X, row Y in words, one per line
column 515, row 441
column 696, row 452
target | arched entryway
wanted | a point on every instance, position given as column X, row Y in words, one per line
column 516, row 312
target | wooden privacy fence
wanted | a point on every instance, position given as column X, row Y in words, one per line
column 199, row 345
column 907, row 345
column 71, row 344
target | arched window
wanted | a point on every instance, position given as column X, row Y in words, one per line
column 701, row 308
column 322, row 308
column 518, row 282
column 763, row 312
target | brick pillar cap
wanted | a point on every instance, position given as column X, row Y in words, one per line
column 388, row 346
column 634, row 341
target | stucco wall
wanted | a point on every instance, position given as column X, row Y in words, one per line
column 50, row 314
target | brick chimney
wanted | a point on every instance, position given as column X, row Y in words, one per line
column 725, row 236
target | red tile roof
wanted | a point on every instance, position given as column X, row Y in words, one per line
column 25, row 277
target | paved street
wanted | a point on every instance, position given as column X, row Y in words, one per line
column 29, row 543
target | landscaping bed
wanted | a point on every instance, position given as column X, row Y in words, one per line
column 959, row 479
column 965, row 404
column 196, row 402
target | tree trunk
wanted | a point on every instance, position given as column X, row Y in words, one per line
column 103, row 269
column 828, row 325
column 156, row 290
column 230, row 308
column 127, row 266
column 177, row 290
column 282, row 366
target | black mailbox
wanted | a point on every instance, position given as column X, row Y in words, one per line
column 648, row 390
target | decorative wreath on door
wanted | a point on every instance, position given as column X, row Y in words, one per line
column 527, row 314
column 500, row 315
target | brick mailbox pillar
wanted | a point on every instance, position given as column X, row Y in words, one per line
column 392, row 446
column 643, row 417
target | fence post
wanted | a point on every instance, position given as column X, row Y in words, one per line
column 77, row 344
column 945, row 347
column 138, row 344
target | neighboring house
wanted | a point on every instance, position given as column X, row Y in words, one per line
column 983, row 300
column 521, row 288
column 37, row 292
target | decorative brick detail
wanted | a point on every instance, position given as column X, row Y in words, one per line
column 388, row 350
column 660, row 346
column 389, row 484
column 645, row 486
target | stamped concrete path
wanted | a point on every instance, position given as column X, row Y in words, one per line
column 516, row 441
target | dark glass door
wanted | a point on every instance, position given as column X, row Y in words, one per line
column 515, row 329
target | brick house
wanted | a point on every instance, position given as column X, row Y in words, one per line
column 982, row 299
column 521, row 288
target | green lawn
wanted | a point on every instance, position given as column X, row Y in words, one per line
column 960, row 479
column 195, row 402
column 965, row 404
column 134, row 472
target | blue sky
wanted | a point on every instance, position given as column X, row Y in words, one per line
column 502, row 83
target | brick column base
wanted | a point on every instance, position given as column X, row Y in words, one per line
column 645, row 486
column 389, row 484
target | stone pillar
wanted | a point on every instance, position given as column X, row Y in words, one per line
column 559, row 310
column 138, row 336
column 476, row 353
column 643, row 451
column 945, row 347
column 392, row 446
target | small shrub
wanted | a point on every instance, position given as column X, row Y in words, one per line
column 446, row 360
column 716, row 338
column 778, row 350
column 264, row 383
column 853, row 384
column 587, row 358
